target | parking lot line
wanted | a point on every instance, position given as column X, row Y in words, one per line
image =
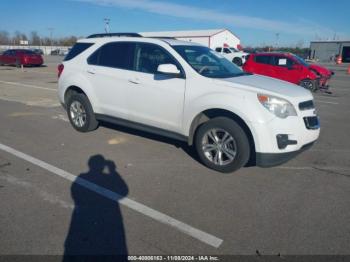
column 330, row 150
column 327, row 168
column 145, row 210
column 26, row 85
column 42, row 72
column 326, row 102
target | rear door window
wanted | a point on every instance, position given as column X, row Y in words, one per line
column 116, row 55
column 263, row 59
column 28, row 52
column 77, row 49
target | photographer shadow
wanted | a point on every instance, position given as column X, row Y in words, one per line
column 96, row 227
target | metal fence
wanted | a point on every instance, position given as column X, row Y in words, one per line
column 47, row 50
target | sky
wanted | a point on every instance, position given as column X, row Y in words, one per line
column 256, row 22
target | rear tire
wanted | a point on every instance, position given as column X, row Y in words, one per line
column 238, row 61
column 308, row 84
column 18, row 63
column 80, row 113
column 222, row 145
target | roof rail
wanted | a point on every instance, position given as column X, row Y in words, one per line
column 161, row 37
column 114, row 34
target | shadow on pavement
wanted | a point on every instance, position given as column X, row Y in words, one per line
column 96, row 227
column 189, row 150
column 179, row 144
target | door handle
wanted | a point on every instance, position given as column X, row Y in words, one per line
column 92, row 72
column 135, row 81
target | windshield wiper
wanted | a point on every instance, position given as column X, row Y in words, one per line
column 242, row 74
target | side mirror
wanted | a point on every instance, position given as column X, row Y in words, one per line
column 168, row 69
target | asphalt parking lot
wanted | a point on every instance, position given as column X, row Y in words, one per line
column 149, row 195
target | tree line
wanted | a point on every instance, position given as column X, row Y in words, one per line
column 35, row 39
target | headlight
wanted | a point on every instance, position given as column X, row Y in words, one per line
column 277, row 106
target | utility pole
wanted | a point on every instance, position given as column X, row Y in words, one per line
column 107, row 28
column 277, row 39
column 335, row 35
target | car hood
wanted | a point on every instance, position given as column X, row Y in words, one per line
column 320, row 69
column 267, row 85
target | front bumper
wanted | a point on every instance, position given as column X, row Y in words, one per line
column 301, row 129
column 275, row 159
column 279, row 140
column 323, row 82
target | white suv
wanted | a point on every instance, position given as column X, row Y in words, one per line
column 232, row 54
column 188, row 92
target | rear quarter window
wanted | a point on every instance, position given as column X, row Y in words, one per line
column 77, row 49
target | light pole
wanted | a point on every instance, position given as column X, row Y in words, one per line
column 107, row 28
column 51, row 31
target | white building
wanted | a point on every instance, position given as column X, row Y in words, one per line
column 212, row 38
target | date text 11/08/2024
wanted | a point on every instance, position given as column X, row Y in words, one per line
column 173, row 258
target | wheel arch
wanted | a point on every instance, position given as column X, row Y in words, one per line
column 208, row 114
column 72, row 90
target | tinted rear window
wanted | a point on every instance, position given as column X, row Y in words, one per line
column 117, row 55
column 76, row 50
column 263, row 59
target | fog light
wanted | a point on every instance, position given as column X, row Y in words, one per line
column 283, row 141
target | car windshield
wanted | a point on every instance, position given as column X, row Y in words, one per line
column 207, row 62
column 301, row 61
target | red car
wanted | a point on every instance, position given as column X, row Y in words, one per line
column 20, row 57
column 289, row 67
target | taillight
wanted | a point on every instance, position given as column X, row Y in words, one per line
column 60, row 70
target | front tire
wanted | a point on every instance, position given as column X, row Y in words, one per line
column 81, row 114
column 222, row 145
column 309, row 84
column 238, row 61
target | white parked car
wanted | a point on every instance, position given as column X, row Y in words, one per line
column 188, row 92
column 232, row 54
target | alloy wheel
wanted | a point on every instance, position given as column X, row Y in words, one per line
column 78, row 114
column 219, row 147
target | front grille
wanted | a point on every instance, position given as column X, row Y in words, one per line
column 306, row 105
column 312, row 122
